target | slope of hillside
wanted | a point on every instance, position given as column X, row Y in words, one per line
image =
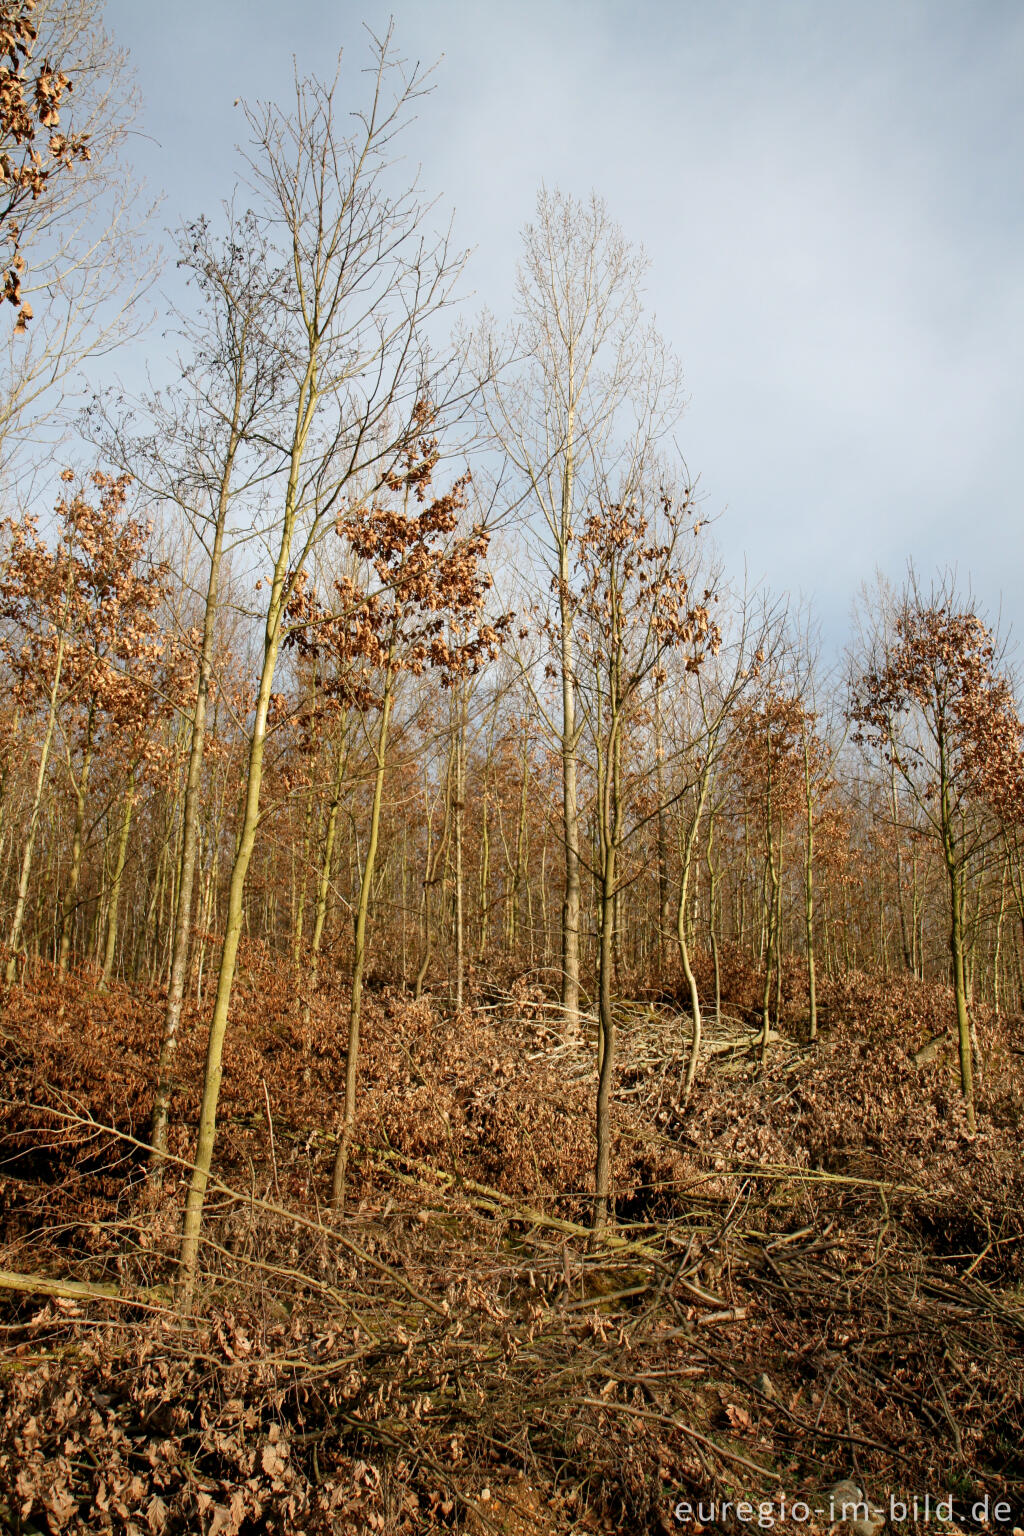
column 816, row 1271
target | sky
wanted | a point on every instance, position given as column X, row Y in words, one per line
column 830, row 197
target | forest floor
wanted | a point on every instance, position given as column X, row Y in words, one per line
column 816, row 1273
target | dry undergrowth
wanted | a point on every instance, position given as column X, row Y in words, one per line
column 816, row 1272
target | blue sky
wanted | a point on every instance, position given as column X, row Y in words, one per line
column 830, row 197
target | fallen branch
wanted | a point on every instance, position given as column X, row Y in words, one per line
column 77, row 1290
column 684, row 1429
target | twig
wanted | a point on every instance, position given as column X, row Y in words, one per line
column 270, row 1129
column 685, row 1429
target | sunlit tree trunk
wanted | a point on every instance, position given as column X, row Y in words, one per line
column 70, row 903
column 485, row 870
column 770, row 899
column 908, row 958
column 300, row 911
column 193, row 789
column 189, row 1255
column 5, row 772
column 570, row 736
column 434, row 855
column 18, row 920
column 327, row 858
column 714, row 915
column 682, row 939
column 359, row 950
column 113, row 904
column 955, row 875
column 519, row 874
column 460, row 806
column 664, row 897
column 609, row 819
column 997, row 950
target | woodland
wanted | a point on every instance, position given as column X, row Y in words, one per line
column 501, row 1029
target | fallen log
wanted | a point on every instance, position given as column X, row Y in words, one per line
column 78, row 1290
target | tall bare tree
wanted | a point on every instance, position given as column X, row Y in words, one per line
column 636, row 606
column 364, row 282
column 199, row 448
column 590, row 389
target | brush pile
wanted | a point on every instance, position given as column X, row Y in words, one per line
column 815, row 1272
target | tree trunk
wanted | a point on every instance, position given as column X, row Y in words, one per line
column 956, row 944
column 812, row 987
column 189, row 836
column 460, row 805
column 485, row 873
column 609, row 818
column 307, row 822
column 570, row 794
column 433, row 860
column 18, row 921
column 70, row 902
column 682, row 940
column 606, row 1022
column 998, row 946
column 955, row 874
column 663, row 890
column 191, row 1226
column 894, row 802
column 713, row 878
column 110, row 941
column 324, row 882
column 359, row 958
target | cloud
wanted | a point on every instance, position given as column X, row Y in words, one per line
column 830, row 198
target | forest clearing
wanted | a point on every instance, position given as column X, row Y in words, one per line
column 506, row 1026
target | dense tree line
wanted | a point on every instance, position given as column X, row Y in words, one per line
column 415, row 661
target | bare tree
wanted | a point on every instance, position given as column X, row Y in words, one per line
column 591, row 389
column 636, row 606
column 199, row 449
column 364, row 281
column 707, row 696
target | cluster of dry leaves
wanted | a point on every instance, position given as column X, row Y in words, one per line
column 816, row 1272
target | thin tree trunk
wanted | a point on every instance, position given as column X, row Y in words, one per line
column 191, row 1226
column 570, row 794
column 110, row 941
column 190, row 812
column 682, row 939
column 307, row 822
column 359, row 956
column 997, row 948
column 606, row 1019
column 812, row 987
column 485, row 873
column 70, row 903
column 610, row 826
column 326, row 863
column 960, row 990
column 894, row 802
column 659, row 761
column 18, row 921
column 460, row 805
column 956, row 942
column 779, row 935
column 433, row 860
column 713, row 879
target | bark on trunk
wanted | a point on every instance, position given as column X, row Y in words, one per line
column 113, row 905
column 359, row 963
